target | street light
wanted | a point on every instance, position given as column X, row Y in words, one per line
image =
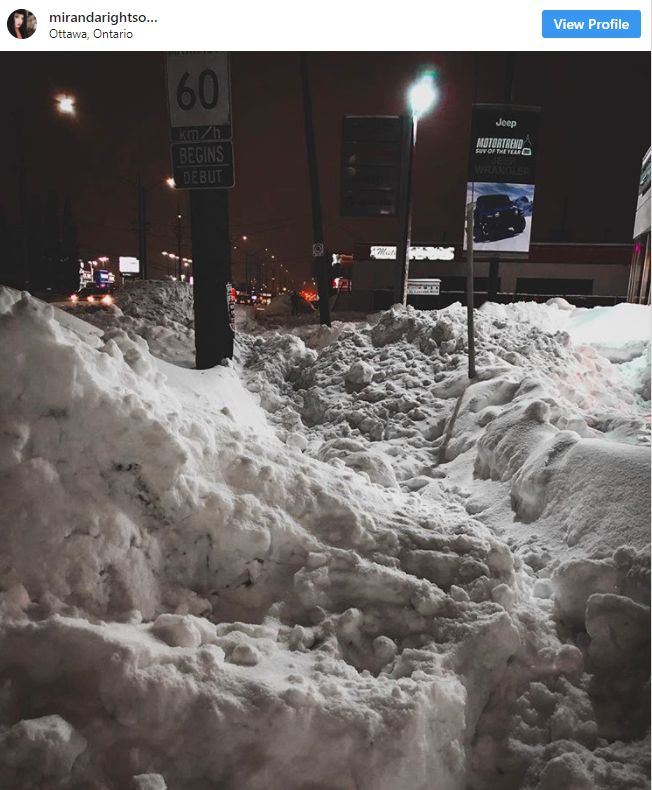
column 421, row 97
column 179, row 228
column 65, row 104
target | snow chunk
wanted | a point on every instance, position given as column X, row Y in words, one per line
column 619, row 630
column 177, row 630
column 358, row 376
column 36, row 749
column 148, row 782
column 575, row 581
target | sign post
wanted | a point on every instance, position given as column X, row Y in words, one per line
column 470, row 291
column 202, row 161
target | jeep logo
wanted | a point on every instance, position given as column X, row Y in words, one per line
column 503, row 122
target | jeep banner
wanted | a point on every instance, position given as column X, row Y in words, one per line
column 502, row 162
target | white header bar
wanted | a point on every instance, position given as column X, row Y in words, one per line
column 331, row 25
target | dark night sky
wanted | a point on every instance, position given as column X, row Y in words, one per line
column 595, row 129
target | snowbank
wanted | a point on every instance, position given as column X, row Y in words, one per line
column 158, row 311
column 282, row 305
column 276, row 573
column 619, row 333
column 140, row 501
column 550, row 447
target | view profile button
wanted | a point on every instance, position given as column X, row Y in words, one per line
column 591, row 24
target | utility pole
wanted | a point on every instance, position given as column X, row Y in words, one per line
column 318, row 247
column 470, row 296
column 142, row 227
column 211, row 263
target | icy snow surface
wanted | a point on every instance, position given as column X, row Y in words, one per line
column 334, row 564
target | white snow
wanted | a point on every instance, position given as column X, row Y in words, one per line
column 335, row 563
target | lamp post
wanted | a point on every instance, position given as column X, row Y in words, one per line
column 421, row 97
column 179, row 228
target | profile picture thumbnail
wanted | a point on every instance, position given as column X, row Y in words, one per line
column 21, row 23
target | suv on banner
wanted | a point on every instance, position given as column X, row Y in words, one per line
column 496, row 217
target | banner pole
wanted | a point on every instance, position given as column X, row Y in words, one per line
column 470, row 296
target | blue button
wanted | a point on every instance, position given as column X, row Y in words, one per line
column 591, row 24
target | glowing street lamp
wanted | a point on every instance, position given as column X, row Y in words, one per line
column 421, row 97
column 65, row 104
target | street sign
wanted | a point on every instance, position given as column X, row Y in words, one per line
column 203, row 165
column 199, row 97
column 423, row 287
column 184, row 134
column 372, row 149
column 199, row 91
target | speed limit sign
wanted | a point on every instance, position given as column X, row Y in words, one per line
column 199, row 90
column 199, row 97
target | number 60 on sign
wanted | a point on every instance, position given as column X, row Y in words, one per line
column 199, row 89
column 200, row 119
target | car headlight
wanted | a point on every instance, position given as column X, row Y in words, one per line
column 90, row 299
column 497, row 214
column 107, row 300
column 74, row 298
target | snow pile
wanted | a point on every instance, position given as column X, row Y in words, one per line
column 558, row 428
column 318, row 590
column 170, row 568
column 282, row 305
column 619, row 333
column 396, row 392
column 159, row 311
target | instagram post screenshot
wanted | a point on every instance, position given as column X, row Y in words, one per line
column 325, row 395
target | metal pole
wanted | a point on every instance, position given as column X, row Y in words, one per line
column 318, row 247
column 211, row 262
column 179, row 231
column 142, row 232
column 469, row 288
column 409, row 136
